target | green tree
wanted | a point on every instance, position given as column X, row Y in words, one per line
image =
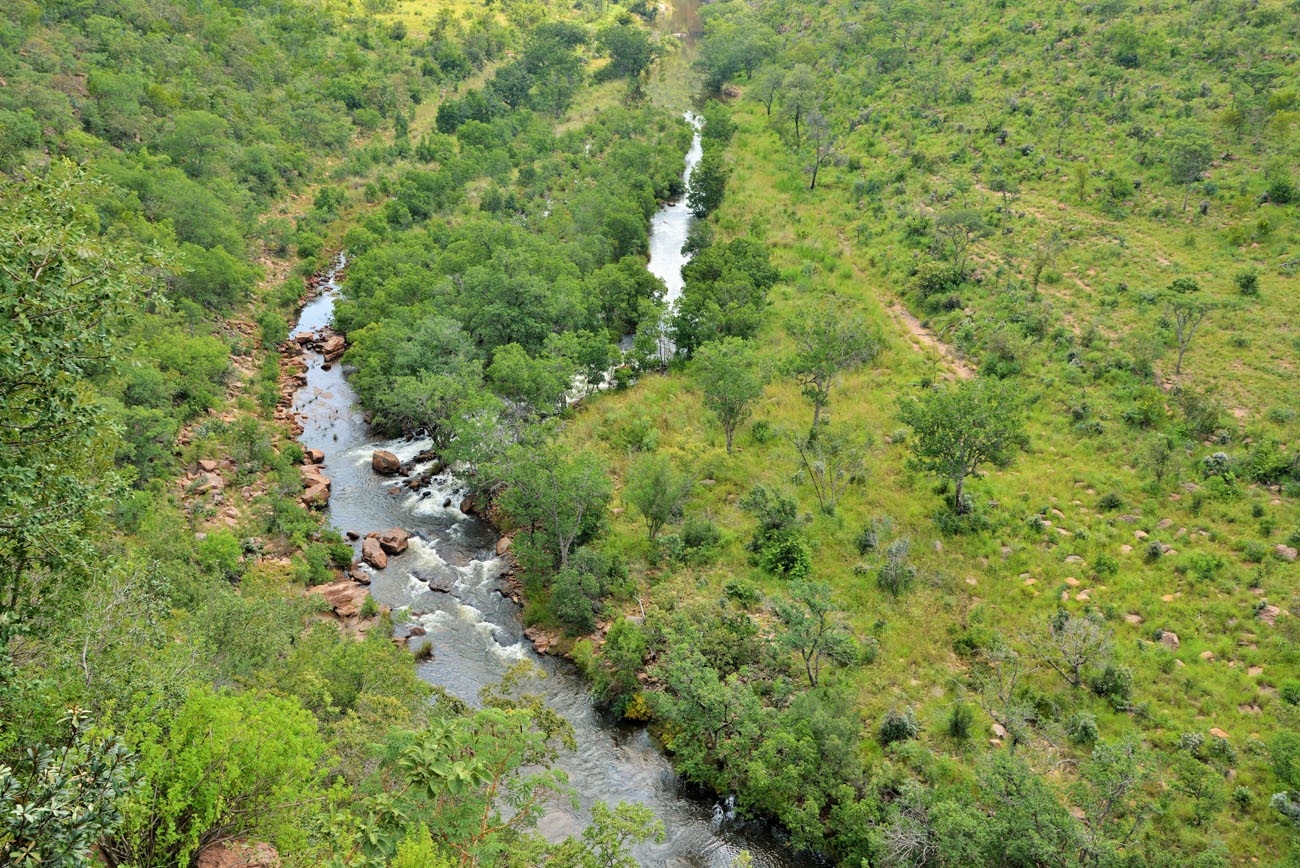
column 958, row 230
column 657, row 489
column 1188, row 312
column 604, row 843
column 814, row 628
column 957, row 429
column 1072, row 644
column 64, row 295
column 630, row 50
column 828, row 341
column 64, row 798
column 731, row 377
column 832, row 460
column 708, row 182
column 557, row 497
column 1188, row 153
column 223, row 767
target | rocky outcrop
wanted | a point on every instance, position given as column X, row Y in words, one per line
column 332, row 347
column 392, row 541
column 345, row 598
column 373, row 553
column 385, row 463
column 238, row 854
column 314, row 456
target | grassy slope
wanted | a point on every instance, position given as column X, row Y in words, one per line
column 1013, row 577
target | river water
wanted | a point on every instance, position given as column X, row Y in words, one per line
column 476, row 633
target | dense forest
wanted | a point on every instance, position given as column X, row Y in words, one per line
column 948, row 518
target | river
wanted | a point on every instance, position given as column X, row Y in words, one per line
column 476, row 633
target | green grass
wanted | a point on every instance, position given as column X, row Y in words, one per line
column 1013, row 577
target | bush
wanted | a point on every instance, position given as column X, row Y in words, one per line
column 574, row 597
column 221, row 555
column 871, row 536
column 1110, row 502
column 1247, row 282
column 785, row 553
column 1290, row 691
column 1082, row 729
column 898, row 726
column 960, row 719
column 896, row 575
column 1105, row 565
column 742, row 592
column 1114, row 683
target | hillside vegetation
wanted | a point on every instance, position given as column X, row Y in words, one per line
column 1086, row 656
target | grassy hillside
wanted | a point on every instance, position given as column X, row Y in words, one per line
column 1063, row 140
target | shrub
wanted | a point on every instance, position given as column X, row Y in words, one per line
column 1110, row 502
column 1247, row 282
column 574, row 597
column 742, row 592
column 898, row 726
column 871, row 536
column 369, row 608
column 1114, row 682
column 785, row 553
column 960, row 719
column 1105, row 565
column 1082, row 728
column 896, row 574
column 1290, row 691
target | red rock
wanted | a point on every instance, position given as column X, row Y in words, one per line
column 333, row 347
column 385, row 463
column 238, row 854
column 209, row 482
column 503, row 546
column 468, row 505
column 316, row 495
column 393, row 540
column 312, row 475
column 207, row 465
column 1218, row 733
column 314, row 456
column 373, row 553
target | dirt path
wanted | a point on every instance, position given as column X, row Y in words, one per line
column 923, row 339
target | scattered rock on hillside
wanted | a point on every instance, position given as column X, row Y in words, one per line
column 1169, row 639
column 1285, row 552
column 385, row 463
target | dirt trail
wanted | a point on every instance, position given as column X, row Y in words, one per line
column 923, row 339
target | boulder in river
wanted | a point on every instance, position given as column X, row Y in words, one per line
column 373, row 553
column 385, row 463
column 393, row 540
column 333, row 347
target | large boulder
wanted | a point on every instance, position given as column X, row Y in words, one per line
column 393, row 540
column 333, row 347
column 312, row 475
column 345, row 598
column 238, row 854
column 385, row 463
column 314, row 456
column 373, row 553
column 316, row 495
